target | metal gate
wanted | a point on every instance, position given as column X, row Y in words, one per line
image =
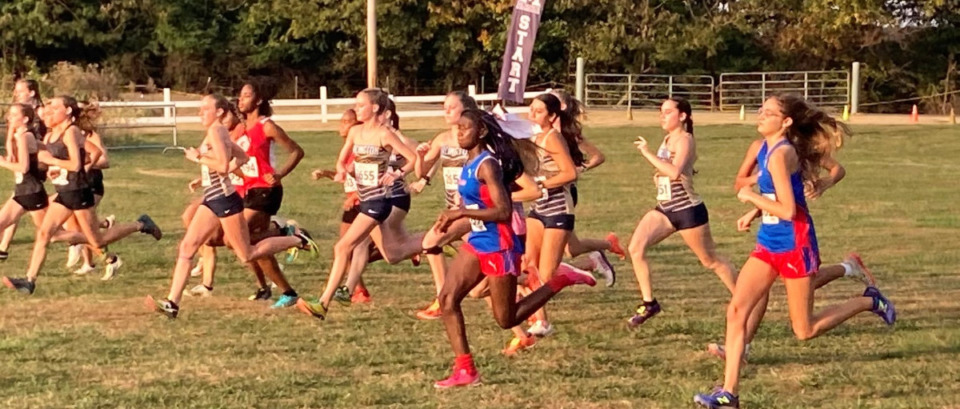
column 648, row 91
column 750, row 89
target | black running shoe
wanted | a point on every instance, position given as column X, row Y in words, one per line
column 20, row 284
column 645, row 311
column 164, row 306
column 261, row 294
column 149, row 227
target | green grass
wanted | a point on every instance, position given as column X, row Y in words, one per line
column 82, row 343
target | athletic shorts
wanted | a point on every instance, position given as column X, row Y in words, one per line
column 264, row 199
column 96, row 183
column 76, row 199
column 225, row 206
column 33, row 201
column 496, row 264
column 350, row 215
column 401, row 202
column 378, row 209
column 801, row 262
column 687, row 218
column 560, row 221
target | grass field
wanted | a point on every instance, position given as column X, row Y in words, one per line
column 79, row 342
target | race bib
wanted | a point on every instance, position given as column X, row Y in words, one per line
column 766, row 217
column 451, row 177
column 664, row 192
column 61, row 178
column 243, row 142
column 250, row 169
column 367, row 174
column 18, row 177
column 236, row 180
column 350, row 184
column 476, row 225
column 205, row 176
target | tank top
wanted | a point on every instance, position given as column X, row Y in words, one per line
column 67, row 180
column 676, row 195
column 452, row 160
column 369, row 164
column 399, row 186
column 485, row 236
column 31, row 181
column 255, row 143
column 215, row 185
column 558, row 200
column 776, row 234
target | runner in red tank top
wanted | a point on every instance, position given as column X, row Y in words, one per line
column 262, row 180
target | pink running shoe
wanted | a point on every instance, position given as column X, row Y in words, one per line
column 460, row 377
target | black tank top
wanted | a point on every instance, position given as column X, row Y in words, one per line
column 30, row 182
column 69, row 180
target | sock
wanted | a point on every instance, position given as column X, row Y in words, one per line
column 847, row 268
column 464, row 361
column 208, row 287
column 289, row 293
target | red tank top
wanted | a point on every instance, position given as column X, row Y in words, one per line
column 257, row 146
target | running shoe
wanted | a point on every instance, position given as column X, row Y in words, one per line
column 197, row 270
column 882, row 306
column 165, row 307
column 645, row 311
column 199, row 291
column 262, row 294
column 147, row 226
column 285, row 301
column 84, row 269
column 360, row 297
column 313, row 308
column 541, row 329
column 719, row 351
column 603, row 267
column 108, row 222
column 858, row 270
column 113, row 265
column 430, row 313
column 22, row 285
column 342, row 295
column 307, row 243
column 460, row 377
column 518, row 344
column 292, row 255
column 718, row 399
column 73, row 255
column 615, row 245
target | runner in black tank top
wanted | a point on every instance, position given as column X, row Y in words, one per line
column 27, row 92
column 65, row 159
column 29, row 194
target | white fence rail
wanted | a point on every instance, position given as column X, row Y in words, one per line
column 647, row 91
column 750, row 89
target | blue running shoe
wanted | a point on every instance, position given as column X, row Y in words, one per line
column 718, row 399
column 285, row 301
column 881, row 305
column 645, row 311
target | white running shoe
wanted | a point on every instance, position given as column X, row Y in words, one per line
column 111, row 270
column 73, row 255
column 603, row 267
column 541, row 329
column 84, row 269
column 108, row 222
column 858, row 271
column 197, row 269
column 198, row 291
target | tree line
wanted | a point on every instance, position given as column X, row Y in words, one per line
column 908, row 47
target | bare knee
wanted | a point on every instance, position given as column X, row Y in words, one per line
column 448, row 302
column 736, row 314
column 637, row 249
column 188, row 248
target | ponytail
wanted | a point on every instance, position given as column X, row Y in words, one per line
column 814, row 134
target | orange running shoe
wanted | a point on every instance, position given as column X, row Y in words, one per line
column 430, row 313
column 518, row 344
column 360, row 297
column 615, row 245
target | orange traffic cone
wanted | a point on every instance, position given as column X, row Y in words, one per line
column 914, row 115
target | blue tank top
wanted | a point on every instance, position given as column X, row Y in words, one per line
column 776, row 234
column 485, row 237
